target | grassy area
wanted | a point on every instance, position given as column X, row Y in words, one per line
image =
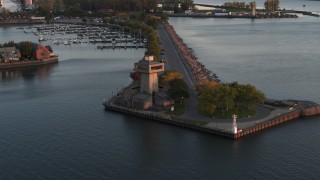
column 241, row 113
column 179, row 109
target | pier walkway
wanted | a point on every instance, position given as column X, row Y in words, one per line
column 174, row 62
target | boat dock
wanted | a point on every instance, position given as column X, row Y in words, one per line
column 121, row 46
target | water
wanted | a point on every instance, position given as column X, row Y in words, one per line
column 305, row 5
column 53, row 126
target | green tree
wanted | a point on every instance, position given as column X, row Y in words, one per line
column 152, row 21
column 171, row 75
column 9, row 44
column 178, row 89
column 163, row 17
column 4, row 12
column 206, row 85
column 26, row 49
column 272, row 5
column 186, row 4
column 228, row 97
column 58, row 5
column 207, row 102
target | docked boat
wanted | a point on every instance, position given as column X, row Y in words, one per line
column 56, row 42
column 66, row 43
column 41, row 38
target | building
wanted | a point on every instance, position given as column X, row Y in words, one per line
column 149, row 84
column 41, row 52
column 27, row 3
column 142, row 101
column 8, row 54
column 144, row 92
column 162, row 99
column 149, row 70
column 34, row 19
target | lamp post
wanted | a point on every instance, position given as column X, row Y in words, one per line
column 172, row 109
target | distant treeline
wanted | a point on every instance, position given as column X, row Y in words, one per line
column 129, row 5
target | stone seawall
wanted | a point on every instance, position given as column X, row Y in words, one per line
column 220, row 132
column 197, row 70
column 276, row 121
column 312, row 111
column 166, row 119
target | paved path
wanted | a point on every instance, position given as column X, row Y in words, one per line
column 173, row 62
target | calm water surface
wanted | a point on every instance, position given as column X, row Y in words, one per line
column 53, row 126
column 305, row 5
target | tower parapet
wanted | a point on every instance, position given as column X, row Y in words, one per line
column 149, row 70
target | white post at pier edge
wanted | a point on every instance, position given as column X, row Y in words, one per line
column 234, row 125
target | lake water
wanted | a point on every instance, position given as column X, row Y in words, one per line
column 53, row 126
column 305, row 5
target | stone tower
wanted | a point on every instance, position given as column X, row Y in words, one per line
column 149, row 70
column 253, row 7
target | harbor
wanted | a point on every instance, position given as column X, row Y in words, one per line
column 53, row 125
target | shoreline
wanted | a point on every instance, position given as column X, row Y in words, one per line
column 22, row 64
column 239, row 16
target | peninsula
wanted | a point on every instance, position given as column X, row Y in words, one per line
column 25, row 54
column 148, row 97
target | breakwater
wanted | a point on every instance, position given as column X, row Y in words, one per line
column 197, row 70
column 163, row 118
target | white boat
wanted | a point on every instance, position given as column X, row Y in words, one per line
column 66, row 43
column 41, row 38
column 56, row 42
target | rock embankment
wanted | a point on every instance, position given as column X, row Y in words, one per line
column 198, row 71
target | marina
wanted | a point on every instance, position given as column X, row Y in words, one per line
column 105, row 37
